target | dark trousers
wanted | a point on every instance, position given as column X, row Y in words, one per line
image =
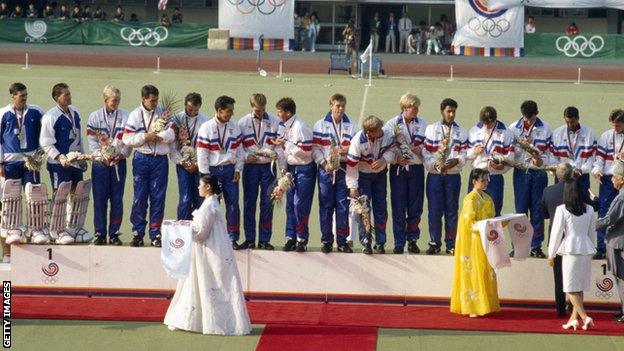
column 560, row 301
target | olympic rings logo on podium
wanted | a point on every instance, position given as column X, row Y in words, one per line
column 144, row 36
column 580, row 45
column 489, row 26
column 264, row 7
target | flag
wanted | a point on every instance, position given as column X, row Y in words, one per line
column 367, row 52
column 175, row 253
column 162, row 5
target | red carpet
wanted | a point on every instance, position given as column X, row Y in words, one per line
column 278, row 337
column 313, row 314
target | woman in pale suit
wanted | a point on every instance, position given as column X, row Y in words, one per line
column 573, row 236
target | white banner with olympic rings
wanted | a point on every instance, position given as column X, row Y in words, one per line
column 478, row 26
column 272, row 19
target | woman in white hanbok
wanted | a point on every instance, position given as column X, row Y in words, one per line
column 210, row 300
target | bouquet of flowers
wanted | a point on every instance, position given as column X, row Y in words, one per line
column 168, row 105
column 526, row 146
column 189, row 155
column 107, row 154
column 266, row 152
column 282, row 186
column 441, row 156
column 34, row 162
column 361, row 208
column 404, row 147
column 79, row 159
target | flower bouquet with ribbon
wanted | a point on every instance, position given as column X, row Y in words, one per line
column 361, row 208
column 108, row 153
column 34, row 162
column 168, row 105
column 526, row 146
column 282, row 186
column 441, row 156
column 186, row 149
column 333, row 158
column 405, row 149
column 269, row 154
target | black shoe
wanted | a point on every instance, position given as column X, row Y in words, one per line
column 137, row 241
column 433, row 249
column 398, row 250
column 156, row 242
column 450, row 251
column 345, row 248
column 512, row 253
column 99, row 239
column 266, row 246
column 235, row 245
column 115, row 241
column 618, row 315
column 412, row 247
column 367, row 250
column 599, row 256
column 326, row 248
column 379, row 249
column 247, row 244
column 301, row 247
column 537, row 252
column 290, row 245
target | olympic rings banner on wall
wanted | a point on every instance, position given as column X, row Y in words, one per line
column 584, row 46
column 479, row 27
column 150, row 34
column 252, row 18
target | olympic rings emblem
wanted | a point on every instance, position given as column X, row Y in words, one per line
column 177, row 243
column 489, row 27
column 580, row 45
column 49, row 280
column 144, row 36
column 605, row 285
column 51, row 269
column 481, row 7
column 264, row 7
column 604, row 294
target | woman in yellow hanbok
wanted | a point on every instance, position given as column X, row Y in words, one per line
column 474, row 291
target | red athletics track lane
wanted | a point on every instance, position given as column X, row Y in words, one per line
column 472, row 68
column 313, row 314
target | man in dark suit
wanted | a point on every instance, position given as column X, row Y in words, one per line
column 552, row 197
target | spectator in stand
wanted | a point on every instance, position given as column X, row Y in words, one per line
column 86, row 14
column 176, row 18
column 99, row 15
column 572, row 29
column 405, row 28
column 375, row 28
column 48, row 12
column 4, row 11
column 134, row 18
column 63, row 13
column 119, row 15
column 31, row 13
column 76, row 14
column 412, row 42
column 297, row 24
column 447, row 26
column 18, row 12
column 305, row 23
column 529, row 28
column 440, row 34
column 422, row 38
column 165, row 21
column 432, row 41
column 391, row 28
column 313, row 31
column 349, row 36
